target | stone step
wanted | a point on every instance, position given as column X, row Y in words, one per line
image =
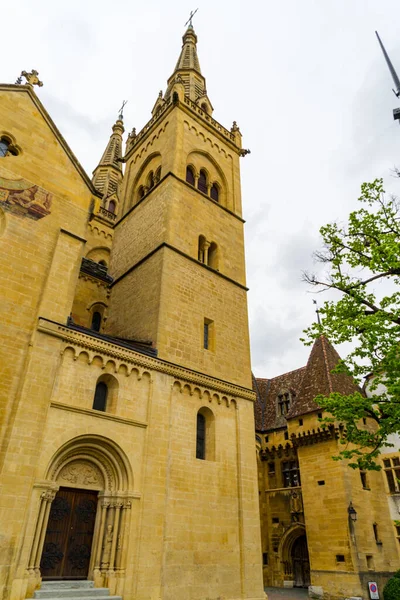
column 78, row 596
column 47, row 593
column 67, row 583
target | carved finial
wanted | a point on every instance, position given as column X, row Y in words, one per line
column 133, row 132
column 19, row 81
column 32, row 78
column 160, row 94
column 234, row 127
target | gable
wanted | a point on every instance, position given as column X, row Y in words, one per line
column 45, row 157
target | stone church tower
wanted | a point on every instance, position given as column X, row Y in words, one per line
column 127, row 428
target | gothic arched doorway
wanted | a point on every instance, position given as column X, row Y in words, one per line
column 300, row 562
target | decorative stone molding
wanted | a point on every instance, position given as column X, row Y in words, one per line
column 96, row 346
column 205, row 139
column 145, row 148
column 96, row 413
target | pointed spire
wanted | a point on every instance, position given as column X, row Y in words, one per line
column 391, row 67
column 108, row 174
column 319, row 379
column 188, row 58
column 187, row 72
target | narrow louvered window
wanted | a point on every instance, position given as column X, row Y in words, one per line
column 202, row 183
column 189, row 175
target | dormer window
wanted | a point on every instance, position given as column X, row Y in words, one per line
column 284, row 403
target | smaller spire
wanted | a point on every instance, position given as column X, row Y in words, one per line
column 107, row 176
column 391, row 67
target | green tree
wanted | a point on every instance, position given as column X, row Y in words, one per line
column 362, row 264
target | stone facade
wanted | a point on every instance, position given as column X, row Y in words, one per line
column 104, row 293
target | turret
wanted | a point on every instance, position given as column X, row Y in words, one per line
column 108, row 175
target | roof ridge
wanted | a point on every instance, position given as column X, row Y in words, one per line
column 328, row 372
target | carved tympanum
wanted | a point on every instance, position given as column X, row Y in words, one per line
column 81, row 473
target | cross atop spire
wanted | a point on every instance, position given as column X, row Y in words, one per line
column 391, row 67
column 189, row 21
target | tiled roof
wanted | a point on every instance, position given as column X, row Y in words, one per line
column 267, row 390
column 318, row 378
column 304, row 385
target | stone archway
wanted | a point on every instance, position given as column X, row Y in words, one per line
column 90, row 464
column 294, row 556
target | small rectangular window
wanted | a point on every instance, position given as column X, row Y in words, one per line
column 300, row 422
column 386, row 463
column 370, row 562
column 275, row 520
column 339, row 557
column 271, row 468
column 321, row 482
column 398, row 529
column 364, row 421
column 266, row 439
column 286, row 435
column 364, row 480
column 391, row 482
column 396, row 462
column 208, row 334
column 265, row 558
column 319, row 415
column 376, row 533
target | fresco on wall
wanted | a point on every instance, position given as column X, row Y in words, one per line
column 22, row 197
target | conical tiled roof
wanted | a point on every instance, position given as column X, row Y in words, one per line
column 319, row 379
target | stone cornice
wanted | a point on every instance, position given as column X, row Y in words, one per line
column 91, row 343
column 194, row 260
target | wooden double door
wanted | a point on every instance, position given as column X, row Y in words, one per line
column 69, row 535
column 301, row 562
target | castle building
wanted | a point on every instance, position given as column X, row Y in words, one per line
column 323, row 524
column 127, row 410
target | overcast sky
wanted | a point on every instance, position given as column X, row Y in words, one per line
column 304, row 79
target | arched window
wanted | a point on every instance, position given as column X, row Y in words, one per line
column 201, row 437
column 96, row 321
column 213, row 256
column 202, row 183
column 205, row 434
column 214, row 192
column 204, row 107
column 201, row 256
column 112, row 206
column 189, row 175
column 140, row 192
column 100, row 396
column 150, row 180
column 4, row 145
column 157, row 176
